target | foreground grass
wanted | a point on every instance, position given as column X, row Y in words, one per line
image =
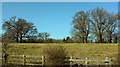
column 90, row 50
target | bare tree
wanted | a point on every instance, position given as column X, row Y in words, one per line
column 43, row 36
column 81, row 26
column 99, row 18
column 111, row 26
column 18, row 29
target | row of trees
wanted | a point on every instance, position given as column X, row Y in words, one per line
column 97, row 25
column 19, row 30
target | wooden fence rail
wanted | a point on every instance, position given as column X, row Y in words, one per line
column 107, row 61
column 24, row 59
column 40, row 60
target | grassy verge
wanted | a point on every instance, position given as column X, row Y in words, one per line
column 90, row 50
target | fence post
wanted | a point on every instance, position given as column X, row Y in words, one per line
column 24, row 59
column 97, row 63
column 106, row 61
column 43, row 60
column 6, row 58
column 110, row 62
column 70, row 61
column 86, row 62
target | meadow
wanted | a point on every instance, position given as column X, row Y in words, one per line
column 81, row 50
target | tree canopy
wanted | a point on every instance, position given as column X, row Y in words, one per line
column 17, row 30
column 97, row 23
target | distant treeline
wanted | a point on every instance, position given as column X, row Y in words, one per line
column 49, row 40
column 93, row 26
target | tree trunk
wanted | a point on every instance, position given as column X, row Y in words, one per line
column 20, row 37
column 100, row 38
column 115, row 41
column 83, row 39
column 17, row 37
column 86, row 39
column 110, row 41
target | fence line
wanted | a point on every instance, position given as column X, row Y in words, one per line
column 25, row 59
column 33, row 60
column 107, row 61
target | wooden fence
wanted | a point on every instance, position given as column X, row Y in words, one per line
column 40, row 60
column 0, row 56
column 24, row 59
column 86, row 61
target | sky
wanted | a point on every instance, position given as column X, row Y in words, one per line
column 52, row 17
column 60, row 0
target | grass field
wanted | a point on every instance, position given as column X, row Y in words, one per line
column 89, row 50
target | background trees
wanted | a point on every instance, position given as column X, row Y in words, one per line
column 43, row 36
column 97, row 23
column 111, row 26
column 104, row 24
column 67, row 40
column 99, row 19
column 81, row 26
column 18, row 30
column 10, row 32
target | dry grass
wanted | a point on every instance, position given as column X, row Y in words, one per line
column 89, row 50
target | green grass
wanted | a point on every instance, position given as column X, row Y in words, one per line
column 89, row 50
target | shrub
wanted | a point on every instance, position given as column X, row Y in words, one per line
column 55, row 54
